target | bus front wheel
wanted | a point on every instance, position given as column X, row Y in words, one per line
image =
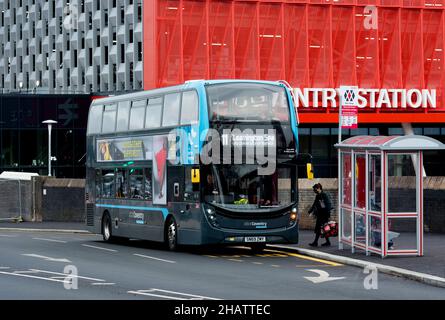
column 106, row 228
column 171, row 236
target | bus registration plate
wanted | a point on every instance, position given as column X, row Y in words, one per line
column 255, row 239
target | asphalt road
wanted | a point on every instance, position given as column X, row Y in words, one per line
column 32, row 266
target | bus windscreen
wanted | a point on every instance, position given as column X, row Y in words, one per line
column 247, row 102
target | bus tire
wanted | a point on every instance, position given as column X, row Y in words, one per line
column 258, row 248
column 171, row 234
column 107, row 228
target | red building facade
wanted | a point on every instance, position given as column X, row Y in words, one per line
column 374, row 44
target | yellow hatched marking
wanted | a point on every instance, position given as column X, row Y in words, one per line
column 296, row 255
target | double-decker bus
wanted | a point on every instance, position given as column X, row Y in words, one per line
column 205, row 162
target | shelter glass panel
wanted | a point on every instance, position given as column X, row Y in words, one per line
column 375, row 232
column 360, row 181
column 402, row 183
column 346, row 224
column 402, row 234
column 375, row 183
column 359, row 228
column 346, row 178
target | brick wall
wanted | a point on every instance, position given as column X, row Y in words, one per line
column 401, row 197
column 307, row 197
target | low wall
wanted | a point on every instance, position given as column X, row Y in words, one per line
column 401, row 197
column 60, row 199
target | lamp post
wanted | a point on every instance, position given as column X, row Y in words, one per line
column 50, row 125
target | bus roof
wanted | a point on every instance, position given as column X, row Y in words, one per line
column 191, row 84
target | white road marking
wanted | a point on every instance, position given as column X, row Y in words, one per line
column 103, row 284
column 24, row 271
column 51, row 240
column 236, row 260
column 64, row 275
column 8, row 235
column 33, row 277
column 46, row 258
column 154, row 258
column 323, row 276
column 100, row 248
column 4, row 268
column 164, row 292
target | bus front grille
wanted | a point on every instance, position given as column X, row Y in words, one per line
column 90, row 214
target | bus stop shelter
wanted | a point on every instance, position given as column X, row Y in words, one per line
column 380, row 192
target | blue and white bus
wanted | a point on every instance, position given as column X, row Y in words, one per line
column 205, row 162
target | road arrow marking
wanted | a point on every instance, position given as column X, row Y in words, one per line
column 46, row 258
column 323, row 276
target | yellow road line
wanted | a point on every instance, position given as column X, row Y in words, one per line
column 296, row 255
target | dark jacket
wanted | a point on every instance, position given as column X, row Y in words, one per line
column 321, row 209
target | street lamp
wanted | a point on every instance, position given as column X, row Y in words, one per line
column 50, row 125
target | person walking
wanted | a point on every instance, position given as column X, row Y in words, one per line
column 321, row 209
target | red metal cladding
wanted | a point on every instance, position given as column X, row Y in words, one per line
column 394, row 44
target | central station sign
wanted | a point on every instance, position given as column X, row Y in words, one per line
column 367, row 98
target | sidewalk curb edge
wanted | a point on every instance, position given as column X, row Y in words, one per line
column 45, row 230
column 395, row 271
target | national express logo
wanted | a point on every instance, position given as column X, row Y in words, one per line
column 349, row 96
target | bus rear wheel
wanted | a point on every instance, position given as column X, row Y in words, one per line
column 171, row 236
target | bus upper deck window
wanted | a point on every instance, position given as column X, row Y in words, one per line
column 123, row 113
column 189, row 111
column 109, row 119
column 95, row 119
column 171, row 110
column 154, row 113
column 137, row 115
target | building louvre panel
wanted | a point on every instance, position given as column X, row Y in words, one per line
column 39, row 21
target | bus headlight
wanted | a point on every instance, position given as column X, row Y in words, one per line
column 211, row 215
column 293, row 217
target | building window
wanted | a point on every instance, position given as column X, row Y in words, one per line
column 139, row 51
column 122, row 53
column 106, row 54
column 131, row 33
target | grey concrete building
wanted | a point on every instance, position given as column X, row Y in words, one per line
column 71, row 46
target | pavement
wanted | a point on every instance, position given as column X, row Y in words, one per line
column 429, row 269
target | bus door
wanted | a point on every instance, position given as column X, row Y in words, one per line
column 183, row 198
